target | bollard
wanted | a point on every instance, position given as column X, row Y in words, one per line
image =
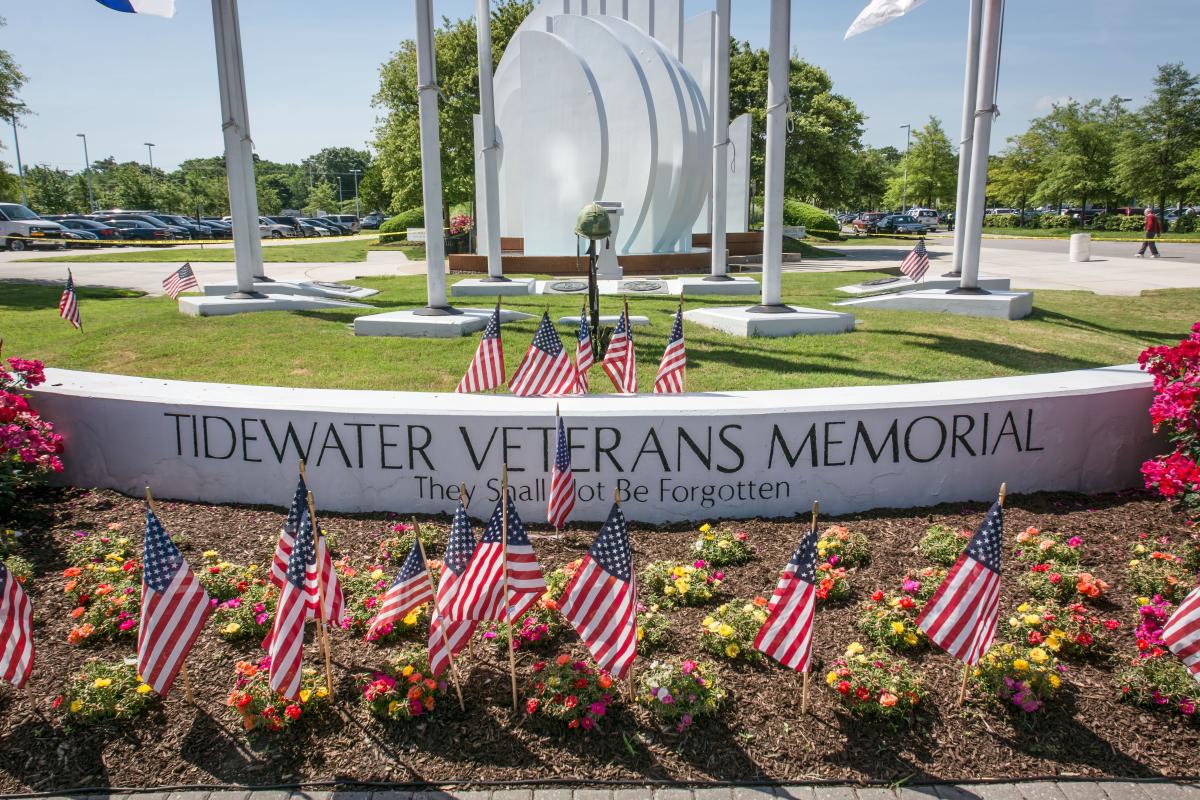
column 1081, row 247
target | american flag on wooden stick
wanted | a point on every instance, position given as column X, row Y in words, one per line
column 583, row 352
column 16, row 630
column 448, row 637
column 1182, row 632
column 410, row 589
column 298, row 602
column 480, row 594
column 671, row 370
column 487, row 367
column 620, row 361
column 331, row 588
column 179, row 281
column 68, row 304
column 174, row 608
column 916, row 263
column 546, row 368
column 562, row 482
column 961, row 616
column 786, row 636
column 600, row 602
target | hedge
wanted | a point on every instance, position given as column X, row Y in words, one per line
column 815, row 221
column 1002, row 221
column 413, row 218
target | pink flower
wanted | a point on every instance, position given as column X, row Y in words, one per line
column 689, row 667
column 127, row 624
column 1074, row 541
column 700, row 563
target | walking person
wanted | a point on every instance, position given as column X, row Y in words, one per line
column 1153, row 228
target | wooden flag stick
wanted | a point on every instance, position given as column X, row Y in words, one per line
column 1003, row 493
column 462, row 495
column 322, row 633
column 183, row 671
column 442, row 628
column 512, row 659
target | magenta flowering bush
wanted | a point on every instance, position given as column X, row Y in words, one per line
column 570, row 691
column 1176, row 373
column 1153, row 677
column 29, row 447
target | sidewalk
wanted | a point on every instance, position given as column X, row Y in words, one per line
column 1031, row 790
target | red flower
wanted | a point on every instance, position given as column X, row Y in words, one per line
column 861, row 693
column 906, row 602
column 292, row 712
column 843, row 687
column 571, row 701
column 878, row 595
column 531, row 705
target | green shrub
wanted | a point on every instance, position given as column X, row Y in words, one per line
column 1185, row 224
column 815, row 221
column 1056, row 221
column 413, row 218
column 1001, row 221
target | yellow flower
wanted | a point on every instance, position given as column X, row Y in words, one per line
column 393, row 706
column 1013, row 622
column 114, row 557
column 144, row 688
column 305, row 694
column 705, row 528
column 101, row 683
column 760, row 615
column 1020, row 665
column 1139, row 549
column 322, row 691
column 1024, row 607
column 708, row 621
column 854, row 649
column 112, row 569
column 408, row 670
column 725, row 631
column 897, row 627
column 910, row 639
column 231, row 628
column 1031, row 619
column 683, row 585
column 377, row 575
column 1055, row 681
column 732, row 650
column 76, row 705
column 831, row 678
column 721, row 545
column 640, row 633
column 668, row 590
column 708, row 537
column 210, row 553
column 1143, row 601
column 1133, row 562
column 410, row 618
column 1038, row 656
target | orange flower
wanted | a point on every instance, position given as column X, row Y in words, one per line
column 70, row 587
column 827, row 584
column 72, row 572
column 246, row 669
column 104, row 589
column 563, row 660
column 604, row 681
column 887, row 699
column 76, row 613
column 415, row 693
column 430, row 684
column 761, row 601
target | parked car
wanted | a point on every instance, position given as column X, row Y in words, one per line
column 175, row 231
column 372, row 221
column 863, row 222
column 269, row 229
column 291, row 222
column 101, row 230
column 349, row 220
column 22, row 229
column 198, row 230
column 310, row 227
column 77, row 238
column 139, row 230
column 927, row 217
column 332, row 228
column 897, row 223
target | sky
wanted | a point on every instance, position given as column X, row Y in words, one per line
column 313, row 67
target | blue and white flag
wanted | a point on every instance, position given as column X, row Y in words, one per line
column 158, row 8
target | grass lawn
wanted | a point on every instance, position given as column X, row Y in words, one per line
column 349, row 249
column 129, row 334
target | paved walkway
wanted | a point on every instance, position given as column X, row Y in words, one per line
column 1039, row 790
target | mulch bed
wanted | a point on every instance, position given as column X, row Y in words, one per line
column 759, row 736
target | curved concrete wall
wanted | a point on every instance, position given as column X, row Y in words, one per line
column 685, row 457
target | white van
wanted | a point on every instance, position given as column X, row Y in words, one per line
column 927, row 217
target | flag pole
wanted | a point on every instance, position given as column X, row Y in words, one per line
column 462, row 496
column 816, row 510
column 512, row 659
column 322, row 633
column 183, row 670
column 962, row 692
column 442, row 628
column 633, row 579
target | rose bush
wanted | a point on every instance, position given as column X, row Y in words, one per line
column 29, row 447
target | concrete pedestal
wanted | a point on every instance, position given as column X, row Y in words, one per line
column 741, row 321
column 607, row 319
column 411, row 324
column 1001, row 305
column 202, row 306
column 699, row 286
column 480, row 287
column 903, row 284
column 335, row 291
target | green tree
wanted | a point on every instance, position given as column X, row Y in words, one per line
column 397, row 138
column 1080, row 143
column 11, row 108
column 1015, row 174
column 871, row 170
column 825, row 133
column 322, row 199
column 332, row 163
column 932, row 170
column 371, row 190
column 1153, row 156
column 49, row 190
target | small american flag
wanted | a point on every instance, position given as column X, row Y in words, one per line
column 961, row 616
column 600, row 602
column 459, row 549
column 297, row 604
column 180, row 280
column 174, row 608
column 480, row 595
column 546, row 368
column 68, row 304
column 1182, row 632
column 410, row 589
column 916, row 263
column 786, row 636
column 562, row 482
column 331, row 588
column 674, row 361
column 487, row 367
column 16, row 630
column 620, row 361
column 583, row 351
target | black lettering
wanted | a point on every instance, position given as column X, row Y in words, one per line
column 289, row 436
column 810, row 441
column 547, row 453
column 247, row 439
column 506, row 448
column 1029, row 448
column 656, row 449
column 893, row 436
column 384, row 444
column 961, row 438
column 358, row 437
column 477, row 461
column 232, row 438
column 908, row 440
column 414, row 448
column 178, row 431
column 331, row 432
column 829, row 441
column 600, row 448
column 576, row 462
column 1008, row 428
column 704, row 455
column 733, row 448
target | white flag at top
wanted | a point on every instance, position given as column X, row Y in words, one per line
column 159, row 8
column 880, row 12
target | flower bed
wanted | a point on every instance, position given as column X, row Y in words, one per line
column 1073, row 630
column 890, row 620
column 675, row 584
column 679, row 694
column 404, row 689
column 570, row 691
column 943, row 544
column 839, row 546
column 1035, row 546
column 1020, row 677
column 1176, row 371
column 730, row 630
column 105, row 690
column 256, row 707
column 29, row 447
column 722, row 548
column 876, row 684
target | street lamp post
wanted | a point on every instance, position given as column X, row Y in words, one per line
column 339, row 177
column 20, row 168
column 150, row 152
column 907, row 146
column 87, row 171
column 356, row 173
